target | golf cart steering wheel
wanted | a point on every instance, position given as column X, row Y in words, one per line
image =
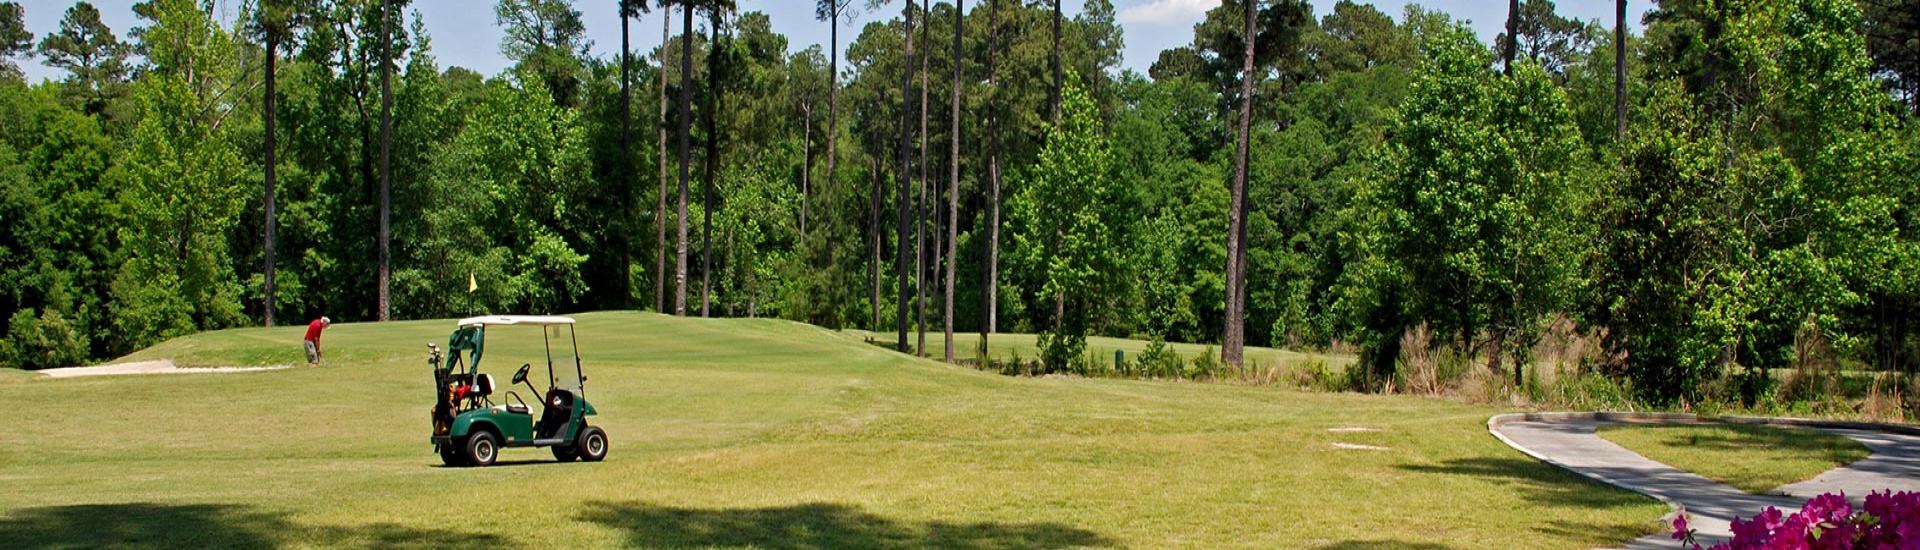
column 520, row 377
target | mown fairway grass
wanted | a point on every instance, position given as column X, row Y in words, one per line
column 1755, row 459
column 764, row 433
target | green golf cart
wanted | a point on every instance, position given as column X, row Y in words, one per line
column 473, row 417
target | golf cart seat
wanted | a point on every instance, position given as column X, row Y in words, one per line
column 482, row 385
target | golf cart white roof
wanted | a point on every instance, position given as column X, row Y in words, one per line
column 541, row 320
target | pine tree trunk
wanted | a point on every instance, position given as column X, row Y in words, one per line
column 273, row 43
column 919, row 202
column 386, row 150
column 686, row 127
column 660, row 198
column 1059, row 72
column 906, row 181
column 1620, row 69
column 953, row 169
column 1235, row 337
column 806, row 167
column 873, row 226
column 1512, row 44
column 992, row 287
column 833, row 95
column 622, row 238
column 712, row 160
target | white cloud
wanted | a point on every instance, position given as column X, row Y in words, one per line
column 1154, row 12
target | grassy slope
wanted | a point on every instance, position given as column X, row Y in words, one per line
column 1755, row 459
column 764, row 433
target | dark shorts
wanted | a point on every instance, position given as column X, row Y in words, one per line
column 313, row 351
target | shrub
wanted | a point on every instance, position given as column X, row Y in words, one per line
column 47, row 341
column 1159, row 360
column 1059, row 351
column 1206, row 364
column 1889, row 520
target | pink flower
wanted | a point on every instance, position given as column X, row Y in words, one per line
column 1888, row 521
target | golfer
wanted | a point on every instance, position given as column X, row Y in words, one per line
column 313, row 339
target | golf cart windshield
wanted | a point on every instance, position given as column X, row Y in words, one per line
column 565, row 376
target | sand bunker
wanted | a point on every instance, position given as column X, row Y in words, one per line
column 163, row 366
column 1358, row 447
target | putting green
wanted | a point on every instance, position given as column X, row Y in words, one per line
column 761, row 433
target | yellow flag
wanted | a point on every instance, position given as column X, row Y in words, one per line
column 471, row 284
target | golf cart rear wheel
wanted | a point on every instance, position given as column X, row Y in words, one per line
column 592, row 444
column 566, row 453
column 482, row 448
column 450, row 455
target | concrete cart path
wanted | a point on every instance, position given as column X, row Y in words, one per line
column 1569, row 441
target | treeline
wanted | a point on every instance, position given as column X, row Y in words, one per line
column 1730, row 192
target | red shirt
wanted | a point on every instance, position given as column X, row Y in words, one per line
column 313, row 331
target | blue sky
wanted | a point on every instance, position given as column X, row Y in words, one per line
column 464, row 32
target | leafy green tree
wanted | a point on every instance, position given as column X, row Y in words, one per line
column 504, row 186
column 1779, row 221
column 1165, row 149
column 1070, row 234
column 57, row 207
column 758, row 235
column 1821, row 189
column 1308, row 173
column 180, row 183
column 1662, row 264
column 1480, row 202
column 95, row 60
column 548, row 38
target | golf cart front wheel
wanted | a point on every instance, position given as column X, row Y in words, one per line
column 592, row 444
column 482, row 448
column 565, row 453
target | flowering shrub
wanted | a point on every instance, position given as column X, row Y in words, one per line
column 1890, row 521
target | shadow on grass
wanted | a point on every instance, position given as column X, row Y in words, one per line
column 502, row 464
column 1537, row 482
column 1383, row 545
column 819, row 525
column 1545, row 484
column 1731, row 437
column 154, row 525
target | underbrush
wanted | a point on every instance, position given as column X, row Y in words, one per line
column 1159, row 361
column 1567, row 371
